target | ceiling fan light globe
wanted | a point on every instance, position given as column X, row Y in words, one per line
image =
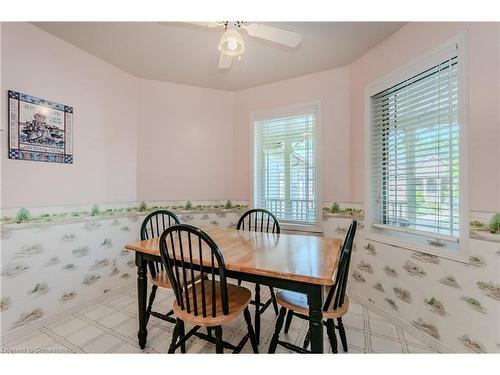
column 232, row 43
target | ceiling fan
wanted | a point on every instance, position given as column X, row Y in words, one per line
column 232, row 44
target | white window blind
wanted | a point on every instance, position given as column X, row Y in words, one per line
column 285, row 175
column 415, row 153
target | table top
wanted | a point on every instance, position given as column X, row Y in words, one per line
column 302, row 258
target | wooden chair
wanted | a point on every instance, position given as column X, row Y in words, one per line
column 153, row 226
column 266, row 223
column 335, row 306
column 206, row 301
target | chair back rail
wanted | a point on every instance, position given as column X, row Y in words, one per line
column 178, row 243
column 338, row 289
column 153, row 226
column 259, row 220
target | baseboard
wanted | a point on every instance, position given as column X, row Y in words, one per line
column 51, row 319
column 430, row 341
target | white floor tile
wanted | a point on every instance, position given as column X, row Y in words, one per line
column 68, row 326
column 122, row 326
column 413, row 340
column 356, row 308
column 113, row 319
column 103, row 344
column 382, row 345
column 57, row 347
column 381, row 328
column 418, row 349
column 121, row 300
column 128, row 328
column 127, row 348
column 353, row 338
column 156, row 333
column 131, row 308
column 281, row 350
column 83, row 336
column 353, row 321
column 197, row 346
column 353, row 349
column 298, row 323
column 97, row 312
column 39, row 340
column 375, row 316
column 165, row 296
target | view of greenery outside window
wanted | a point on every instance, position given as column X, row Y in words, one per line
column 285, row 167
column 416, row 152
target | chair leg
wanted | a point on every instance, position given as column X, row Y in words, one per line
column 273, row 299
column 343, row 338
column 219, row 349
column 330, row 330
column 307, row 340
column 251, row 333
column 152, row 296
column 276, row 336
column 289, row 317
column 257, row 312
column 182, row 334
column 209, row 331
column 239, row 282
column 175, row 336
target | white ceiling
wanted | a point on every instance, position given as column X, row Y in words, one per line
column 188, row 54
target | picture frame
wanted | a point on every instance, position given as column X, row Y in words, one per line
column 39, row 129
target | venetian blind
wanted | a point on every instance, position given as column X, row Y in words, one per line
column 285, row 175
column 415, row 146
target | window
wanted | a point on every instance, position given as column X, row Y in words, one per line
column 416, row 174
column 285, row 165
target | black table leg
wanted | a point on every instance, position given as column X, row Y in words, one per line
column 142, row 290
column 257, row 313
column 315, row 300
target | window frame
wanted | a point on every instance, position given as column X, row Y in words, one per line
column 458, row 251
column 296, row 109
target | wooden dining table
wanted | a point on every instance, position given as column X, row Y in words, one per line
column 300, row 263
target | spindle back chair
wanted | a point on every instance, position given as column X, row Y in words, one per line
column 267, row 223
column 174, row 255
column 153, row 226
column 260, row 220
column 156, row 222
column 335, row 306
column 337, row 291
column 206, row 301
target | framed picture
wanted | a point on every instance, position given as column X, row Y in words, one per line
column 39, row 130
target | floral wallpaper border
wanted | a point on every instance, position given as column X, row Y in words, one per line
column 483, row 225
column 50, row 215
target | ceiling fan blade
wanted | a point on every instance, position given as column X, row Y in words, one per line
column 224, row 61
column 206, row 24
column 273, row 34
column 210, row 25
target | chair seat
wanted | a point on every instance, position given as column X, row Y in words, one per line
column 297, row 302
column 238, row 298
column 161, row 279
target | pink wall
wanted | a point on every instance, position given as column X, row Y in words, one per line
column 127, row 129
column 409, row 43
column 332, row 89
column 103, row 97
column 185, row 142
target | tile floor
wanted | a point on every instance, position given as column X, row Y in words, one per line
column 111, row 327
